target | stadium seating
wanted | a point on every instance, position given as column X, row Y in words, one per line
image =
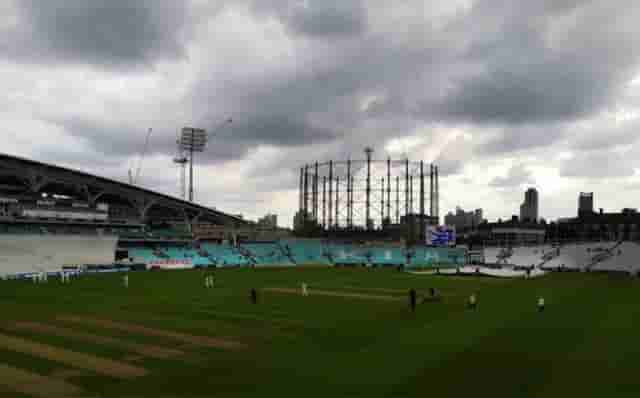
column 622, row 258
column 267, row 253
column 391, row 255
column 491, row 254
column 306, row 251
column 577, row 256
column 527, row 255
column 349, row 254
column 423, row 256
column 142, row 255
column 224, row 255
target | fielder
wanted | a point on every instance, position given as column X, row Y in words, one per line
column 305, row 292
column 125, row 279
column 540, row 304
column 473, row 302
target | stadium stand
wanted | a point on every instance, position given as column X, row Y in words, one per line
column 491, row 254
column 390, row 255
column 577, row 256
column 266, row 253
column 423, row 256
column 224, row 255
column 349, row 254
column 527, row 255
column 306, row 251
column 622, row 257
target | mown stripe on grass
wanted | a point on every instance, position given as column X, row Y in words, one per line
column 140, row 349
column 316, row 292
column 203, row 341
column 98, row 365
column 36, row 385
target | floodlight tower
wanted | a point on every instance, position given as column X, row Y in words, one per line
column 181, row 160
column 192, row 140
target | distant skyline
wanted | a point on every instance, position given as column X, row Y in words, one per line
column 502, row 95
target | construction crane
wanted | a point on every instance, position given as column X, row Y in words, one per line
column 135, row 179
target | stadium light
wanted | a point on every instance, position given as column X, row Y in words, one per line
column 194, row 140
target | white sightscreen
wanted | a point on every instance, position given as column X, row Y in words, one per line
column 28, row 253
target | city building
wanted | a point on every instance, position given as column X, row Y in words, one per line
column 585, row 203
column 464, row 220
column 511, row 233
column 624, row 225
column 529, row 208
column 268, row 221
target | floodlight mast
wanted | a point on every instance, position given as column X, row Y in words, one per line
column 194, row 140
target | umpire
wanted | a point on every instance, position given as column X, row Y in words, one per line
column 412, row 299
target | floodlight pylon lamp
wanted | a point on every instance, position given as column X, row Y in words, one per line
column 193, row 139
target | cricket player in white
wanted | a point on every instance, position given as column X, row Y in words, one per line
column 305, row 292
column 540, row 304
column 126, row 280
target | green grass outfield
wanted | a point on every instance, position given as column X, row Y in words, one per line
column 586, row 343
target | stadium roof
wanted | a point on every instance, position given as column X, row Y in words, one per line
column 35, row 175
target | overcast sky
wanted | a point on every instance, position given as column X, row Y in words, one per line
column 502, row 94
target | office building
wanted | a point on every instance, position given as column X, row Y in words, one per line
column 585, row 203
column 529, row 208
column 464, row 220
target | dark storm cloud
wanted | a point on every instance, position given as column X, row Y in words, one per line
column 524, row 137
column 542, row 61
column 525, row 68
column 116, row 139
column 328, row 19
column 278, row 130
column 323, row 18
column 104, row 33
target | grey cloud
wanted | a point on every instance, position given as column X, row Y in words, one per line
column 103, row 33
column 516, row 176
column 527, row 137
column 605, row 164
column 326, row 19
column 526, row 68
column 448, row 167
column 603, row 136
column 542, row 61
column 109, row 143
